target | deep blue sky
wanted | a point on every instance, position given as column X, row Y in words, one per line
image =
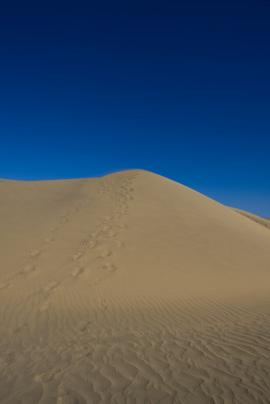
column 180, row 88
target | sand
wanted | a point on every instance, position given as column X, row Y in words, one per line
column 131, row 288
column 264, row 221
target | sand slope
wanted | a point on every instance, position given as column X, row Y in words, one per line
column 130, row 288
column 264, row 221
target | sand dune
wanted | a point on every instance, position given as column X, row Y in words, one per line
column 131, row 288
column 264, row 221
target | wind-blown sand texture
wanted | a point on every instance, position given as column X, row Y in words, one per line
column 131, row 288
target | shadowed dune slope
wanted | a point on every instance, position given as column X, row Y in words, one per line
column 131, row 288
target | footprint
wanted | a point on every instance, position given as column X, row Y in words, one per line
column 77, row 272
column 51, row 286
column 49, row 239
column 119, row 243
column 35, row 253
column 92, row 244
column 108, row 266
column 84, row 242
column 103, row 304
column 122, row 226
column 29, row 268
column 77, row 256
column 105, row 253
column 84, row 326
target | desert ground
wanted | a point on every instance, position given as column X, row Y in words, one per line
column 131, row 288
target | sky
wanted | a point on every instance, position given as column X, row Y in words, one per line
column 181, row 88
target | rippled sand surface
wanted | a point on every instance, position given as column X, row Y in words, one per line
column 131, row 288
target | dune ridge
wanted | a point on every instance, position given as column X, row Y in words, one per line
column 131, row 288
column 263, row 221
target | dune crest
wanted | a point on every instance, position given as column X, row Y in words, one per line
column 131, row 288
column 263, row 221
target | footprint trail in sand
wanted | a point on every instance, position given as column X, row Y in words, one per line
column 131, row 288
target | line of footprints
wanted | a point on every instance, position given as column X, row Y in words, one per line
column 101, row 244
column 105, row 240
column 33, row 257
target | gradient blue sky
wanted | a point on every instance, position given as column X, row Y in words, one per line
column 181, row 88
